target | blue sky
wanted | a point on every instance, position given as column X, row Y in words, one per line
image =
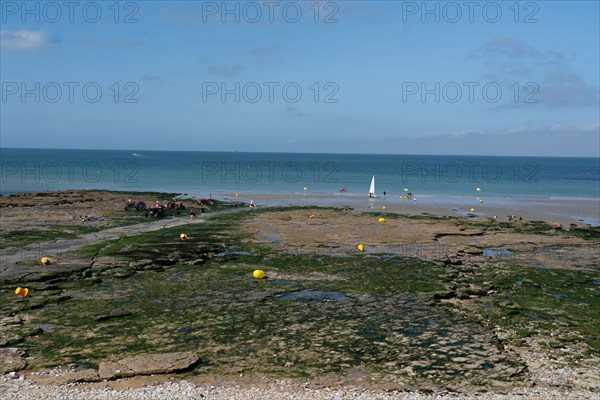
column 403, row 77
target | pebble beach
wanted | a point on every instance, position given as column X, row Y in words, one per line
column 22, row 389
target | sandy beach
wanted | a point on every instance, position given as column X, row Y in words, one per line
column 434, row 307
column 563, row 211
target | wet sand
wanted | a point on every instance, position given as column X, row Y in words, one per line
column 563, row 211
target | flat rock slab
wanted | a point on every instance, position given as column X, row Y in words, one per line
column 11, row 360
column 21, row 274
column 146, row 365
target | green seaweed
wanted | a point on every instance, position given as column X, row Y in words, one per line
column 392, row 314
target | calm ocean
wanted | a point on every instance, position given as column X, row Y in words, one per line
column 204, row 173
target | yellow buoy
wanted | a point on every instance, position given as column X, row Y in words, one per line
column 237, row 195
column 360, row 247
column 311, row 216
column 305, row 188
column 381, row 219
column 22, row 292
column 46, row 261
column 472, row 210
column 406, row 189
column 481, row 201
column 183, row 236
column 258, row 274
column 478, row 189
column 401, row 197
column 383, row 207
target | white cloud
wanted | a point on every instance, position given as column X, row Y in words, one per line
column 506, row 47
column 557, row 83
column 590, row 128
column 101, row 44
column 224, row 70
column 448, row 134
column 22, row 40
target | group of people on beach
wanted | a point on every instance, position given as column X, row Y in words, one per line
column 193, row 212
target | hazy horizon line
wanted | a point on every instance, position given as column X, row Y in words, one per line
column 292, row 152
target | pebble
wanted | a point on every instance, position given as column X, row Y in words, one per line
column 12, row 389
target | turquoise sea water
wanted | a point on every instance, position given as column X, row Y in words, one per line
column 204, row 173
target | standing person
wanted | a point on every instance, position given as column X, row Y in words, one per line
column 202, row 211
column 192, row 213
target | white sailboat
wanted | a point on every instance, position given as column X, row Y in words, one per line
column 372, row 188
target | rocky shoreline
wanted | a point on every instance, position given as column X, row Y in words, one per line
column 17, row 388
column 433, row 308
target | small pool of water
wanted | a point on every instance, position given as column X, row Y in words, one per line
column 562, row 296
column 315, row 295
column 85, row 294
column 497, row 252
column 234, row 253
column 282, row 282
column 274, row 240
column 45, row 327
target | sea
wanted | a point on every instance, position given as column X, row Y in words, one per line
column 433, row 178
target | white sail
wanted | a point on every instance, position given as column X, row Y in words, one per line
column 372, row 188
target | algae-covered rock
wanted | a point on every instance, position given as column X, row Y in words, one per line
column 140, row 264
column 449, row 294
